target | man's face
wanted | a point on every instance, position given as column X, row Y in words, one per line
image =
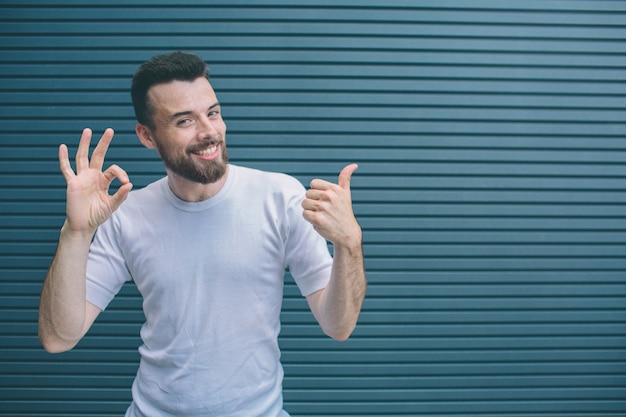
column 189, row 132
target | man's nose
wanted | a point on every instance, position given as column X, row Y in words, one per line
column 206, row 128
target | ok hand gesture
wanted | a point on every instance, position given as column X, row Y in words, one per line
column 328, row 207
column 89, row 203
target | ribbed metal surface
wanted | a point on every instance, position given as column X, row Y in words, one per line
column 491, row 190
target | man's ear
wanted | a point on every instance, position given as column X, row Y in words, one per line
column 145, row 136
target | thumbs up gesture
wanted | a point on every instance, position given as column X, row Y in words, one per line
column 328, row 207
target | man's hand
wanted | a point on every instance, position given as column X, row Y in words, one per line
column 328, row 207
column 89, row 203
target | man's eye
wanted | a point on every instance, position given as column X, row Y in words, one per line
column 182, row 122
column 213, row 113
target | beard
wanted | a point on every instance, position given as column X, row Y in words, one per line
column 207, row 172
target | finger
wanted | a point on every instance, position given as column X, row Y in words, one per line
column 64, row 163
column 120, row 195
column 307, row 214
column 346, row 175
column 310, row 205
column 312, row 216
column 319, row 184
column 113, row 172
column 314, row 194
column 82, row 155
column 97, row 158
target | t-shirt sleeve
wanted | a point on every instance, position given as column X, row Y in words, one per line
column 106, row 267
column 308, row 258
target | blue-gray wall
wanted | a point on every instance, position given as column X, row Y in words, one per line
column 492, row 191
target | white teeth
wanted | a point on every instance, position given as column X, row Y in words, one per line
column 208, row 151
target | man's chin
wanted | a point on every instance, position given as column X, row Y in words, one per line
column 211, row 176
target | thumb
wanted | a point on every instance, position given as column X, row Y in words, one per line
column 345, row 175
column 120, row 195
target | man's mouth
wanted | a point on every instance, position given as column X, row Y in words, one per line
column 209, row 152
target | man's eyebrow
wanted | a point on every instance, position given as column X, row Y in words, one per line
column 187, row 112
column 180, row 113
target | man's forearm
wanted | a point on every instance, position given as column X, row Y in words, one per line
column 340, row 302
column 62, row 303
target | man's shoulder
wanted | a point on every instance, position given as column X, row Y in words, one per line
column 148, row 194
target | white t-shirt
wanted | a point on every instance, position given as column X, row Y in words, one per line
column 211, row 276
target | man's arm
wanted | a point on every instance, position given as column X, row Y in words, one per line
column 64, row 314
column 328, row 207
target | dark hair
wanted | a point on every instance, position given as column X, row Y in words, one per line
column 179, row 66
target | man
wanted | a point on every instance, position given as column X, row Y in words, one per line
column 207, row 247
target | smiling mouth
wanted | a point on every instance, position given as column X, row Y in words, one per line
column 206, row 151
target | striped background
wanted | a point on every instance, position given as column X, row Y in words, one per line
column 491, row 191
